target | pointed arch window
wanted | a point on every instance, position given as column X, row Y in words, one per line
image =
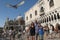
column 30, row 15
column 51, row 3
column 35, row 12
column 55, row 16
column 42, row 9
column 49, row 18
column 58, row 16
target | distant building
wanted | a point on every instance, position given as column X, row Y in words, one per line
column 1, row 31
column 45, row 11
column 17, row 23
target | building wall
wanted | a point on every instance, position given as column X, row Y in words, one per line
column 47, row 10
column 32, row 11
column 47, row 7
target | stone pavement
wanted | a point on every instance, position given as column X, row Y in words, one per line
column 24, row 37
column 56, row 37
column 45, row 37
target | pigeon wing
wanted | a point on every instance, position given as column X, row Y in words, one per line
column 20, row 3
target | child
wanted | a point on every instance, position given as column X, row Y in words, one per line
column 41, row 32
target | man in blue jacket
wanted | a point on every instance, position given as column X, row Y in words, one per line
column 41, row 32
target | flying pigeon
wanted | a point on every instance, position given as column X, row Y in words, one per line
column 17, row 5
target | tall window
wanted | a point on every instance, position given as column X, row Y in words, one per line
column 27, row 18
column 52, row 17
column 30, row 15
column 58, row 16
column 49, row 18
column 42, row 9
column 55, row 16
column 35, row 12
column 51, row 3
column 45, row 19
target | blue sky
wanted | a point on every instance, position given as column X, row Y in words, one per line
column 11, row 12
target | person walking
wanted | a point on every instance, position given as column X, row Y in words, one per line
column 57, row 29
column 36, row 29
column 10, row 34
column 51, row 31
column 41, row 32
column 27, row 32
column 13, row 34
column 46, row 30
column 32, row 31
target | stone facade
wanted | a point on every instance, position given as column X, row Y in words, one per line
column 45, row 11
column 17, row 26
column 14, row 24
column 1, row 31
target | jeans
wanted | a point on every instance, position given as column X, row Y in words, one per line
column 41, row 37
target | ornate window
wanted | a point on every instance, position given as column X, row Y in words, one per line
column 58, row 16
column 27, row 18
column 45, row 19
column 52, row 17
column 30, row 15
column 51, row 3
column 42, row 9
column 55, row 16
column 35, row 12
column 49, row 18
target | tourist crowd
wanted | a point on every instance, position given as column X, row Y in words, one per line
column 36, row 31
